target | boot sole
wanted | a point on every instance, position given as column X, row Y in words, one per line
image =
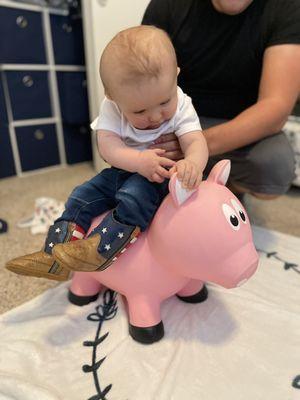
column 17, row 269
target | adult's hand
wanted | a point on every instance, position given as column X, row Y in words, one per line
column 169, row 142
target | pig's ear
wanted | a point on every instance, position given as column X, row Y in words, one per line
column 220, row 172
column 178, row 193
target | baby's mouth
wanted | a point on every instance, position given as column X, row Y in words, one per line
column 154, row 126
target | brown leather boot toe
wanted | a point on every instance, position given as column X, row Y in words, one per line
column 40, row 265
column 81, row 255
column 104, row 245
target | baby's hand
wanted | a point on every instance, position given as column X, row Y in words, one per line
column 152, row 165
column 188, row 173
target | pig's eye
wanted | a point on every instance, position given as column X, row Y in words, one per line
column 239, row 210
column 231, row 217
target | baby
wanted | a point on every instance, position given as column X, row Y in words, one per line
column 138, row 69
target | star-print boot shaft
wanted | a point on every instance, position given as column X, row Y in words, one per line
column 114, row 236
column 100, row 249
column 62, row 232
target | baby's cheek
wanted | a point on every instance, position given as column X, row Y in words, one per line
column 169, row 114
column 174, row 109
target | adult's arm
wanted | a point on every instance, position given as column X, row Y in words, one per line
column 278, row 92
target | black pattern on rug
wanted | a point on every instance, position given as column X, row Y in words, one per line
column 287, row 265
column 105, row 311
column 296, row 382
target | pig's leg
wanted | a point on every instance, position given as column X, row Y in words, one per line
column 145, row 324
column 84, row 289
column 194, row 292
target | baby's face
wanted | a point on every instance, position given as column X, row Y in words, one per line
column 149, row 103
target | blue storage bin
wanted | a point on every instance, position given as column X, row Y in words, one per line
column 7, row 165
column 29, row 94
column 67, row 40
column 21, row 37
column 3, row 112
column 77, row 143
column 73, row 97
column 38, row 147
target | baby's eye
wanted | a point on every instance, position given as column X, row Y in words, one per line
column 139, row 112
column 165, row 102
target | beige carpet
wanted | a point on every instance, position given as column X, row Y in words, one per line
column 17, row 196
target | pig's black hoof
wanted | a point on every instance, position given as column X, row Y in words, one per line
column 81, row 300
column 147, row 335
column 195, row 298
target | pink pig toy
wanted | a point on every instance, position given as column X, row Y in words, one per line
column 196, row 236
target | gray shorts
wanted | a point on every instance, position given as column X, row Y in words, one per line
column 266, row 166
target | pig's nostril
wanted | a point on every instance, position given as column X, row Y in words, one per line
column 250, row 271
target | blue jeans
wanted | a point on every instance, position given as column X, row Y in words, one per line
column 133, row 197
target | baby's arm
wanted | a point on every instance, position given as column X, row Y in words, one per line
column 190, row 169
column 148, row 163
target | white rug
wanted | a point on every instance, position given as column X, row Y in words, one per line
column 241, row 344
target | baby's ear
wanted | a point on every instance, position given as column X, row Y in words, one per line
column 178, row 193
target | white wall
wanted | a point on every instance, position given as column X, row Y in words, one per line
column 102, row 19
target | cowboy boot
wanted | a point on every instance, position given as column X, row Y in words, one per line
column 100, row 249
column 41, row 264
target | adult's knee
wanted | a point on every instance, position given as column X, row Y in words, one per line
column 273, row 167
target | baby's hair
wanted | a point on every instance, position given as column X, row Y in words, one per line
column 134, row 54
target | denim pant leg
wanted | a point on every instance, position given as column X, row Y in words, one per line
column 93, row 197
column 138, row 199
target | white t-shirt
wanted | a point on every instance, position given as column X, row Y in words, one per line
column 112, row 119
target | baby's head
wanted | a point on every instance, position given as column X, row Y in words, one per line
column 138, row 69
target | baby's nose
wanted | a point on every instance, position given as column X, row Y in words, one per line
column 155, row 117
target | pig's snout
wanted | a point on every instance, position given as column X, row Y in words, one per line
column 239, row 267
column 247, row 274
